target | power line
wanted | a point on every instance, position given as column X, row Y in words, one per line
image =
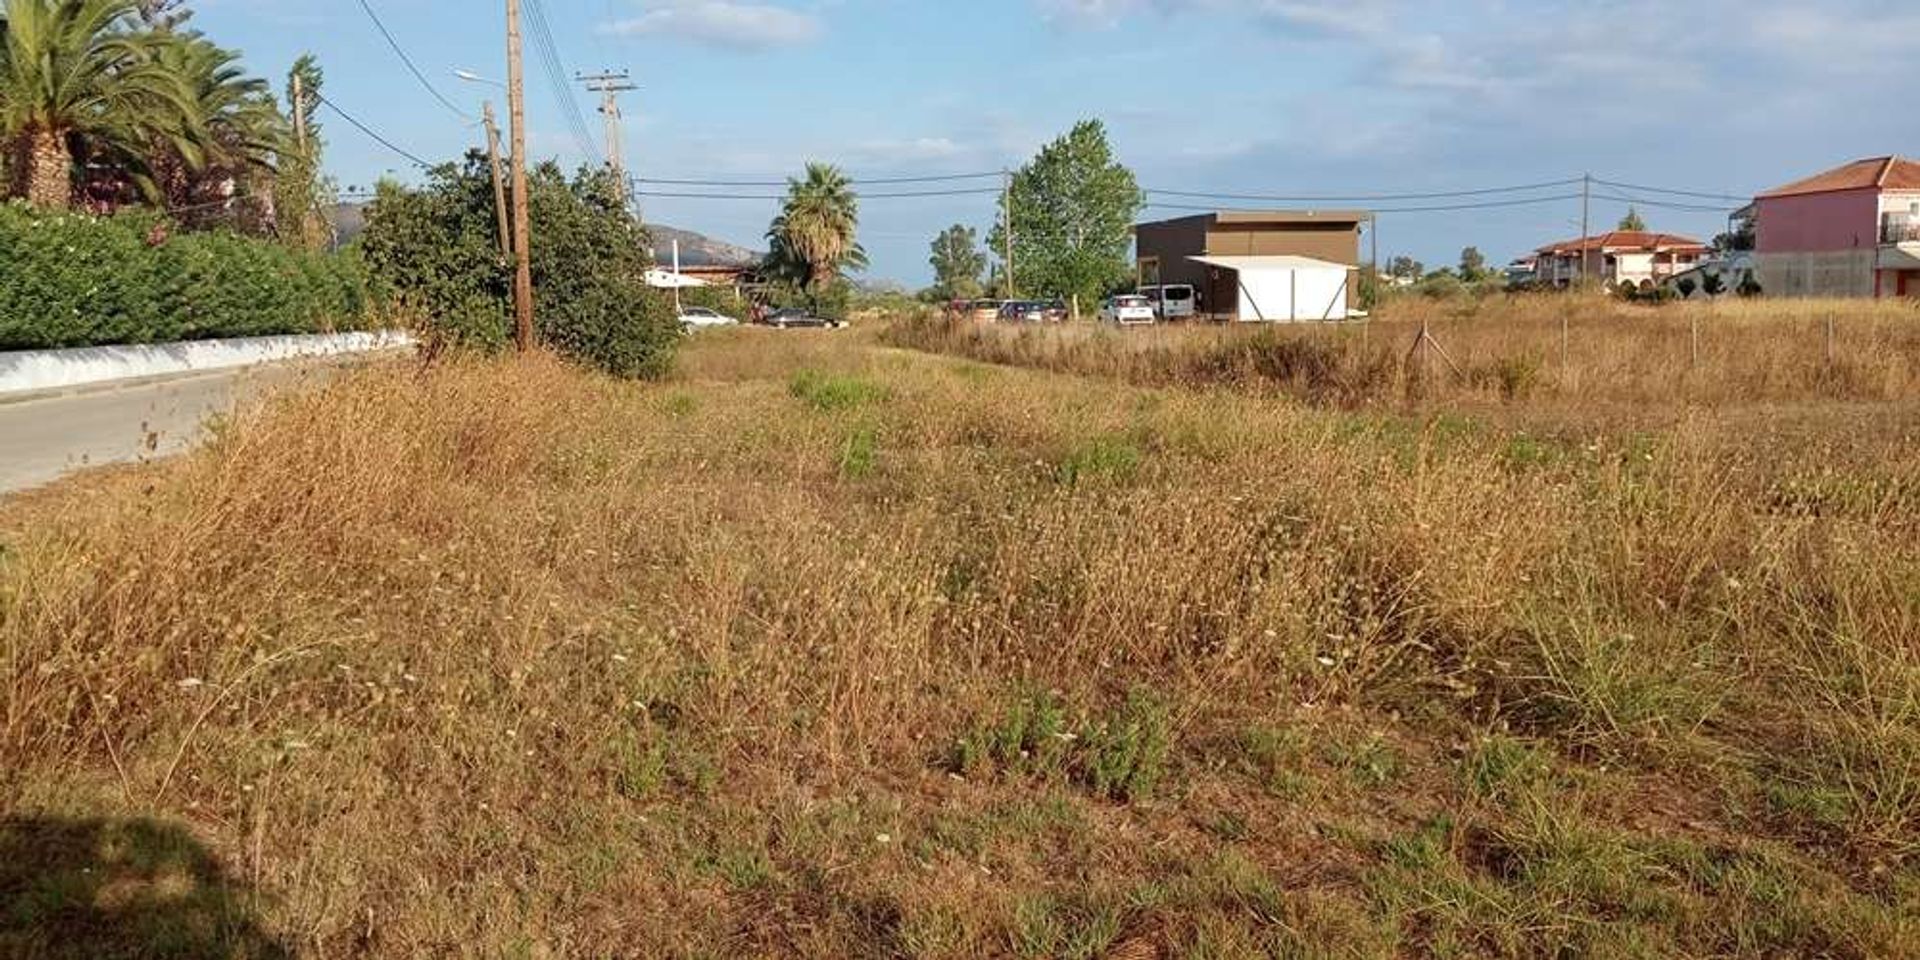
column 941, row 178
column 781, row 196
column 1663, row 204
column 1327, row 198
column 1482, row 205
column 1678, row 193
column 417, row 75
column 557, row 79
column 363, row 128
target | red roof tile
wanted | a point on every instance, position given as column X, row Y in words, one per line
column 1627, row 240
column 1886, row 173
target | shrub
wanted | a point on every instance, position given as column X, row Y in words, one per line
column 72, row 280
column 434, row 253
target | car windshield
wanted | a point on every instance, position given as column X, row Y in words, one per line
column 1130, row 301
column 1179, row 293
column 697, row 312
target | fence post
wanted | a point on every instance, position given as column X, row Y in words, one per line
column 1829, row 341
column 1693, row 325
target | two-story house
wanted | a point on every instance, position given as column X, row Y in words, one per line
column 1853, row 231
column 1637, row 258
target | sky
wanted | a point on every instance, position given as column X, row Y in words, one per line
column 1296, row 98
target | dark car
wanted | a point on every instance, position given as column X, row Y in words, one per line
column 791, row 317
column 1023, row 311
column 1055, row 311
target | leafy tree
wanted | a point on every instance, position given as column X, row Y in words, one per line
column 433, row 254
column 76, row 70
column 1686, row 286
column 1632, row 221
column 1072, row 209
column 958, row 262
column 813, row 240
column 1473, row 265
column 1405, row 267
column 1712, row 285
column 1739, row 239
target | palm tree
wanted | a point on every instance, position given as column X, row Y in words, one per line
column 812, row 239
column 234, row 129
column 72, row 69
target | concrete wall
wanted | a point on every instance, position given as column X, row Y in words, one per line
column 1842, row 273
column 1172, row 242
column 24, row 371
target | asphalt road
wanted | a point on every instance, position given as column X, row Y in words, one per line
column 44, row 437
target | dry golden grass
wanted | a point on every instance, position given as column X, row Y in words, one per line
column 1503, row 350
column 829, row 649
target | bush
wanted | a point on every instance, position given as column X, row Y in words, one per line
column 72, row 280
column 434, row 254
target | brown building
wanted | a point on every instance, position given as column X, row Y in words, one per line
column 1167, row 249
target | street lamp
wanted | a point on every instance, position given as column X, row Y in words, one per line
column 471, row 77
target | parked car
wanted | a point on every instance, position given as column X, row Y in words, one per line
column 1023, row 311
column 985, row 311
column 700, row 318
column 1172, row 301
column 1126, row 310
column 794, row 317
column 1056, row 311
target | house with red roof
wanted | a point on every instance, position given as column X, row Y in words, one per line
column 1853, row 231
column 1638, row 258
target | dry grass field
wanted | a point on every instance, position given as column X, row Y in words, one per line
column 830, row 648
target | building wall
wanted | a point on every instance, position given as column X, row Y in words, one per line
column 1333, row 242
column 1844, row 220
column 1901, row 201
column 1838, row 273
column 1172, row 242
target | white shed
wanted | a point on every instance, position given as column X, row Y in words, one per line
column 1283, row 288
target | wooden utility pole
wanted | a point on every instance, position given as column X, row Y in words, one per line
column 610, row 85
column 1006, row 203
column 522, row 251
column 499, row 180
column 299, row 113
column 1586, row 210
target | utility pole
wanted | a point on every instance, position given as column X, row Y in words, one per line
column 522, row 252
column 1006, row 203
column 299, row 112
column 610, row 85
column 1586, row 209
column 499, row 180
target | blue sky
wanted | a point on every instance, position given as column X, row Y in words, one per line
column 1293, row 97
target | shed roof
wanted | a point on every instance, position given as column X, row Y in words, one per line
column 1270, row 218
column 1881, row 173
column 1272, row 262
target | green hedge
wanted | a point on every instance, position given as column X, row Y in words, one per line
column 72, row 280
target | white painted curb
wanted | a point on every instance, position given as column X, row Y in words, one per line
column 32, row 371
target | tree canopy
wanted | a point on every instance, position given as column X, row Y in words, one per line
column 1072, row 210
column 1633, row 221
column 957, row 262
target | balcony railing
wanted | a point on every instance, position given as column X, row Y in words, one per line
column 1899, row 228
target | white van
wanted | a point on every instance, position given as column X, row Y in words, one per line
column 1171, row 301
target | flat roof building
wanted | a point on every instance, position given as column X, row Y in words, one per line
column 1258, row 264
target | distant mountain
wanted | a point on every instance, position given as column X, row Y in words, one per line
column 696, row 249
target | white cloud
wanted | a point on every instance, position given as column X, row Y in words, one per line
column 721, row 23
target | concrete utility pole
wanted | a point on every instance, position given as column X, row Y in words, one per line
column 610, row 85
column 499, row 180
column 522, row 251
